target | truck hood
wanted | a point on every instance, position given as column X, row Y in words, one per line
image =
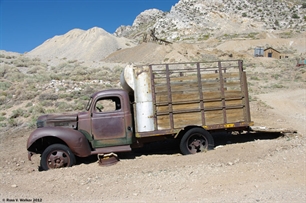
column 58, row 120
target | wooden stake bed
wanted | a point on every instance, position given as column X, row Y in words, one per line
column 213, row 95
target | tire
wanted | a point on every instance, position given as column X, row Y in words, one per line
column 196, row 140
column 57, row 156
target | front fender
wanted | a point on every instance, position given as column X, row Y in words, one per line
column 74, row 139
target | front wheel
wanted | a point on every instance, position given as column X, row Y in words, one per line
column 57, row 156
column 196, row 140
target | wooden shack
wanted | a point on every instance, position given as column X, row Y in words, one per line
column 272, row 53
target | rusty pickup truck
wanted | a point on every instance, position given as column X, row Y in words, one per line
column 185, row 101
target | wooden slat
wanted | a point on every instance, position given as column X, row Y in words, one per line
column 234, row 103
column 182, row 96
column 191, row 86
column 161, row 97
column 163, row 122
column 189, row 78
column 186, row 107
column 234, row 115
column 208, row 95
column 232, row 84
column 185, row 96
column 214, row 117
column 233, row 94
column 208, row 106
column 179, row 108
column 214, row 104
column 176, row 86
column 231, row 75
column 182, row 78
column 181, row 120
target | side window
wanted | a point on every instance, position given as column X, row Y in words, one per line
column 108, row 104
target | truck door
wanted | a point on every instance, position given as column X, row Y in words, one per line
column 111, row 123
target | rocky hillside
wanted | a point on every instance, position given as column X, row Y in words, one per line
column 194, row 20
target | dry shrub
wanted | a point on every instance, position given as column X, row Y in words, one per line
column 47, row 103
column 2, row 99
column 36, row 69
column 63, row 106
column 11, row 73
column 47, row 96
column 27, row 95
column 4, row 85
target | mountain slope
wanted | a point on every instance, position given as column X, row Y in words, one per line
column 94, row 44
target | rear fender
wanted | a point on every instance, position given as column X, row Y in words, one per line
column 74, row 139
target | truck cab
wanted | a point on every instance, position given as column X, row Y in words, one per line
column 106, row 126
column 108, row 118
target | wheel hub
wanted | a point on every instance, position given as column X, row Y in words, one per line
column 197, row 144
column 57, row 160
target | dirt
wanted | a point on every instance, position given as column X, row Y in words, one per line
column 241, row 168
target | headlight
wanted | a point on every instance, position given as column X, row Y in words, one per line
column 40, row 124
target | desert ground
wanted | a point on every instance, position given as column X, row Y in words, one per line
column 242, row 168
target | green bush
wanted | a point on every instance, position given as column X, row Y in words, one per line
column 38, row 109
column 18, row 113
column 62, row 106
column 46, row 96
column 47, row 103
column 276, row 23
column 27, row 95
column 12, row 122
column 2, row 118
column 2, row 100
column 204, row 37
column 79, row 106
column 35, row 69
column 5, row 85
column 29, row 104
column 3, row 125
column 22, row 62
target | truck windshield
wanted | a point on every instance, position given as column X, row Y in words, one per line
column 89, row 104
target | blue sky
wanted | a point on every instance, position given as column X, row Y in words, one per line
column 25, row 24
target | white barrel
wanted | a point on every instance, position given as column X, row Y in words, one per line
column 139, row 80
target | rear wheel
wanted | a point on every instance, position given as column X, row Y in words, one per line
column 196, row 140
column 57, row 156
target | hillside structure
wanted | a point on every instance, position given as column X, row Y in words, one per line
column 272, row 53
column 259, row 52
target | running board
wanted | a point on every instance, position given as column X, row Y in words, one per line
column 104, row 150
